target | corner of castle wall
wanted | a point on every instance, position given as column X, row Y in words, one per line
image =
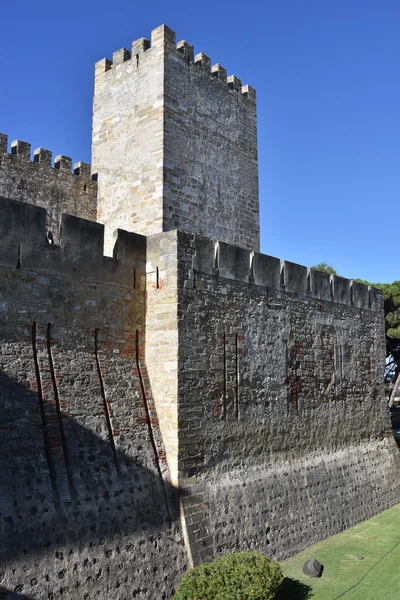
column 162, row 337
column 163, row 36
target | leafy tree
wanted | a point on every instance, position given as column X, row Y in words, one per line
column 326, row 268
column 391, row 293
column 234, row 576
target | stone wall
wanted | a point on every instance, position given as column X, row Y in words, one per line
column 57, row 189
column 210, row 150
column 275, row 356
column 282, row 420
column 258, row 392
column 175, row 145
column 87, row 507
column 253, row 385
column 127, row 143
column 282, row 505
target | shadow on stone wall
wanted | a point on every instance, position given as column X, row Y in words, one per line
column 99, row 501
column 7, row 595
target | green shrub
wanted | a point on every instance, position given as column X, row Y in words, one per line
column 236, row 576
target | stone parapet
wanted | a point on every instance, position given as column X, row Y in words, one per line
column 165, row 37
column 57, row 189
column 20, row 150
column 24, row 244
column 235, row 263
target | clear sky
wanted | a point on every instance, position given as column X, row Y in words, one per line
column 328, row 97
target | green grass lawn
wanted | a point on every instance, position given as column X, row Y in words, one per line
column 377, row 577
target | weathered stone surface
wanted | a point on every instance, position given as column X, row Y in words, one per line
column 312, row 568
column 175, row 147
column 280, row 408
column 87, row 508
column 58, row 189
column 176, row 361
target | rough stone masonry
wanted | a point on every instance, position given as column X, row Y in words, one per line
column 167, row 392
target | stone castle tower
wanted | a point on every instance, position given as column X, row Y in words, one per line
column 179, row 394
column 175, row 144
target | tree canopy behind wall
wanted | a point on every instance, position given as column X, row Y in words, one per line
column 391, row 293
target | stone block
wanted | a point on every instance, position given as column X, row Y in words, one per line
column 320, row 284
column 204, row 257
column 22, row 233
column 82, row 243
column 234, row 262
column 294, row 277
column 360, row 294
column 266, row 270
column 341, row 290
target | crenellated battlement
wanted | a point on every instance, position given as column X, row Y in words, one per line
column 20, row 150
column 24, row 244
column 175, row 143
column 238, row 264
column 58, row 187
column 164, row 37
column 131, row 338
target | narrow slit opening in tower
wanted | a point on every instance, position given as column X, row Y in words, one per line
column 216, row 256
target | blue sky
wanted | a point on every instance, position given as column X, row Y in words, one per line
column 328, row 96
